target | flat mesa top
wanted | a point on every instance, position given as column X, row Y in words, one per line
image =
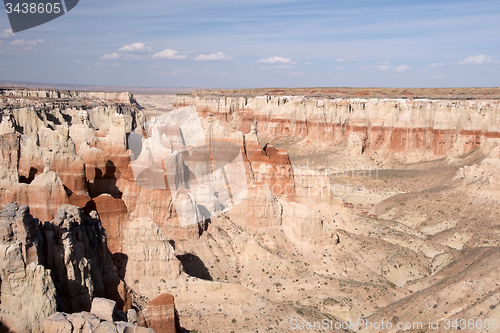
column 492, row 93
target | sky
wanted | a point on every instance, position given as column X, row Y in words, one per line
column 257, row 43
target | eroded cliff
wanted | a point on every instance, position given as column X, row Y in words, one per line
column 354, row 208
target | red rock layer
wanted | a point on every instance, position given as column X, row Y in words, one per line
column 272, row 167
column 160, row 315
column 114, row 215
column 71, row 170
column 384, row 126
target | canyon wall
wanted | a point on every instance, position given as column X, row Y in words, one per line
column 61, row 149
column 103, row 219
column 58, row 265
column 409, row 129
column 113, row 97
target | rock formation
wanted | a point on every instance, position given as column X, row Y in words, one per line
column 88, row 322
column 114, row 97
column 28, row 293
column 62, row 264
column 346, row 209
column 46, row 193
column 160, row 315
column 410, row 130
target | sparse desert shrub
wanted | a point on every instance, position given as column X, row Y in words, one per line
column 330, row 301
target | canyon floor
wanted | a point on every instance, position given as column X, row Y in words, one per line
column 362, row 204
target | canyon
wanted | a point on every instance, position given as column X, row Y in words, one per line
column 350, row 204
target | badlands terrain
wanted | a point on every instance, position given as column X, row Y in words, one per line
column 354, row 206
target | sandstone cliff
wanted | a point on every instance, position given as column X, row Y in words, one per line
column 347, row 209
column 43, row 167
column 409, row 130
column 61, row 265
column 114, row 97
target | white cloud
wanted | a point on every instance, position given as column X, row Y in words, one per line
column 351, row 58
column 135, row 48
column 111, row 56
column 169, row 54
column 308, row 63
column 437, row 64
column 23, row 42
column 74, row 41
column 383, row 67
column 402, row 68
column 219, row 56
column 129, row 52
column 284, row 66
column 6, row 33
column 274, row 60
column 477, row 60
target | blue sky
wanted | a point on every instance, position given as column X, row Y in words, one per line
column 248, row 44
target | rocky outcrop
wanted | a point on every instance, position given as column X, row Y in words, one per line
column 51, row 125
column 103, row 308
column 9, row 163
column 78, row 255
column 42, row 169
column 147, row 257
column 113, row 214
column 85, row 322
column 62, row 264
column 116, row 137
column 485, row 173
column 270, row 166
column 28, row 293
column 7, row 125
column 160, row 315
column 46, row 193
column 58, row 147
